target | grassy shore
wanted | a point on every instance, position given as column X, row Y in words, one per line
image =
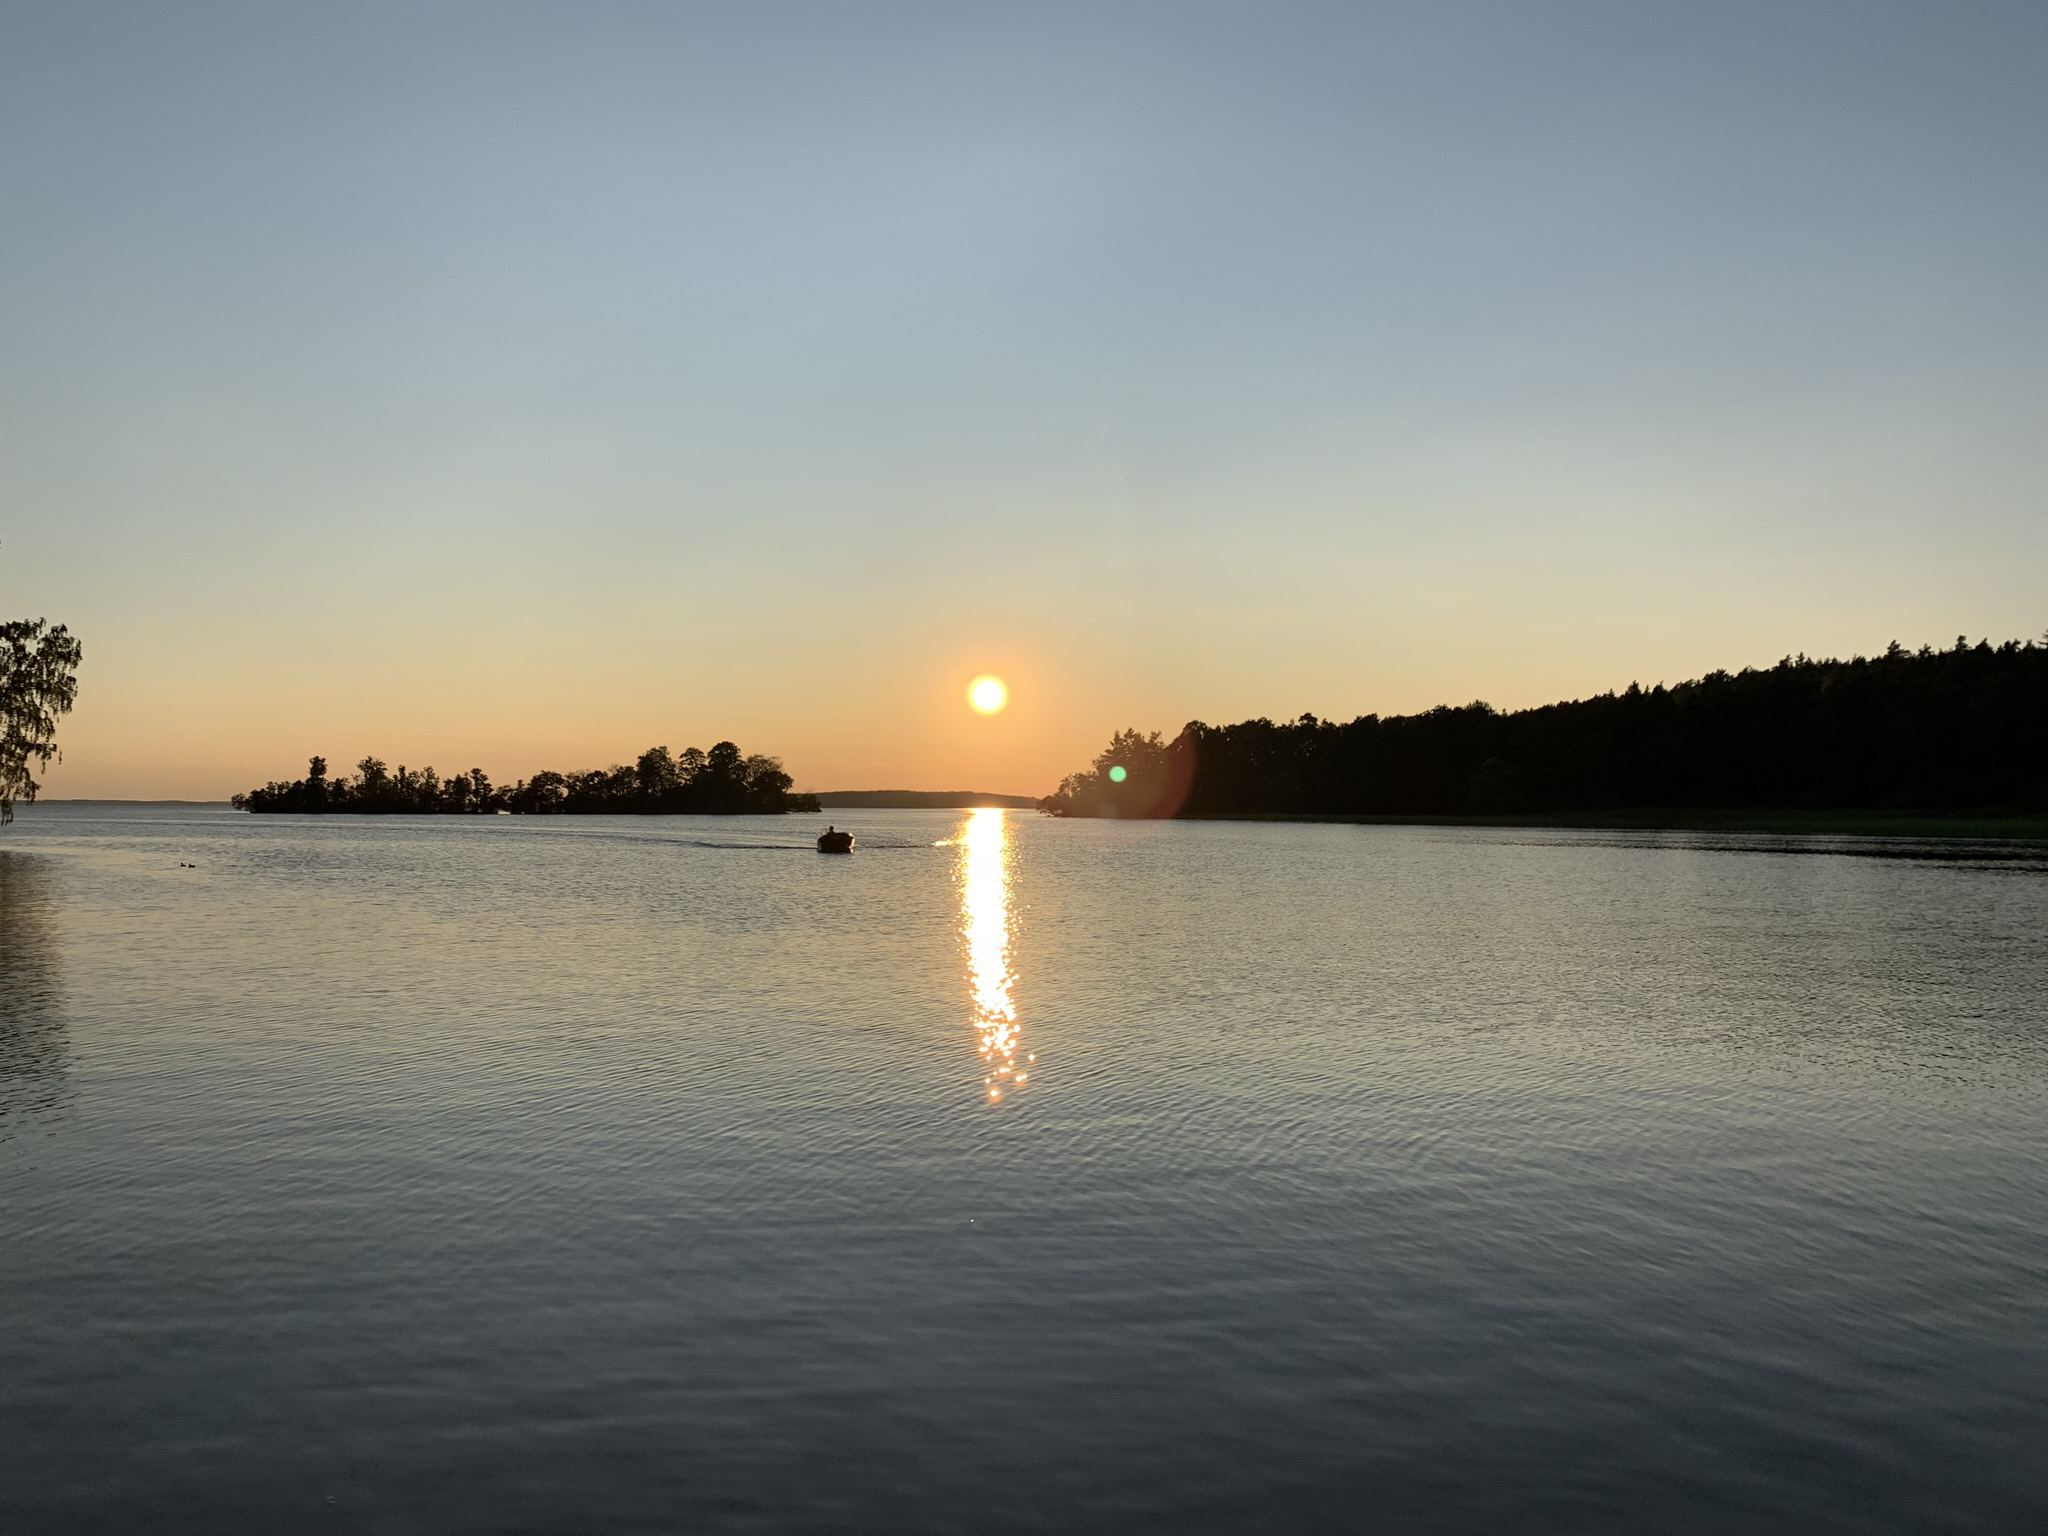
column 2029, row 828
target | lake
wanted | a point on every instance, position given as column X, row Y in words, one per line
column 635, row 1175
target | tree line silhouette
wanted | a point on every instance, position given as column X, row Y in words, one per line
column 1951, row 730
column 723, row 781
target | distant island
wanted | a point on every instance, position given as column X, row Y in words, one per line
column 919, row 800
column 721, row 782
column 1951, row 732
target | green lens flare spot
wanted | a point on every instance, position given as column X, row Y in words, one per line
column 1118, row 774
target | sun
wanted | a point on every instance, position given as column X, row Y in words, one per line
column 988, row 694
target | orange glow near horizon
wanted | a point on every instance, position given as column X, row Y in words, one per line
column 201, row 708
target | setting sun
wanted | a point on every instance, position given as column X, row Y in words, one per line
column 988, row 694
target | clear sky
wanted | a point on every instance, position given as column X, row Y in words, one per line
column 523, row 385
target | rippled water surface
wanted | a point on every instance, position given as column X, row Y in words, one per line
column 492, row 1175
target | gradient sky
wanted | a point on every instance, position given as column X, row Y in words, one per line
column 523, row 385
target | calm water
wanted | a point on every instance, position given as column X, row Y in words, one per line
column 493, row 1175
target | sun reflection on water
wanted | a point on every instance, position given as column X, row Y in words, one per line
column 985, row 931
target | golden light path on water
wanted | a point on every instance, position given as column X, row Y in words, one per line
column 985, row 930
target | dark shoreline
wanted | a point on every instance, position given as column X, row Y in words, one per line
column 921, row 800
column 2019, row 828
column 90, row 800
column 1988, row 826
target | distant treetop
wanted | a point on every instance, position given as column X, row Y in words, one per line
column 719, row 782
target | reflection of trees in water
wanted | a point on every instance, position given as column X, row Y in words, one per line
column 35, row 1053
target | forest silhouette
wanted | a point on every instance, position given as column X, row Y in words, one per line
column 721, row 782
column 1943, row 731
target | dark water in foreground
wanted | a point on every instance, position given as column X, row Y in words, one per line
column 589, row 1175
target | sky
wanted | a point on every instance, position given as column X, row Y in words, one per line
column 520, row 386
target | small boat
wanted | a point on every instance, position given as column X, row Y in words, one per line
column 832, row 840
